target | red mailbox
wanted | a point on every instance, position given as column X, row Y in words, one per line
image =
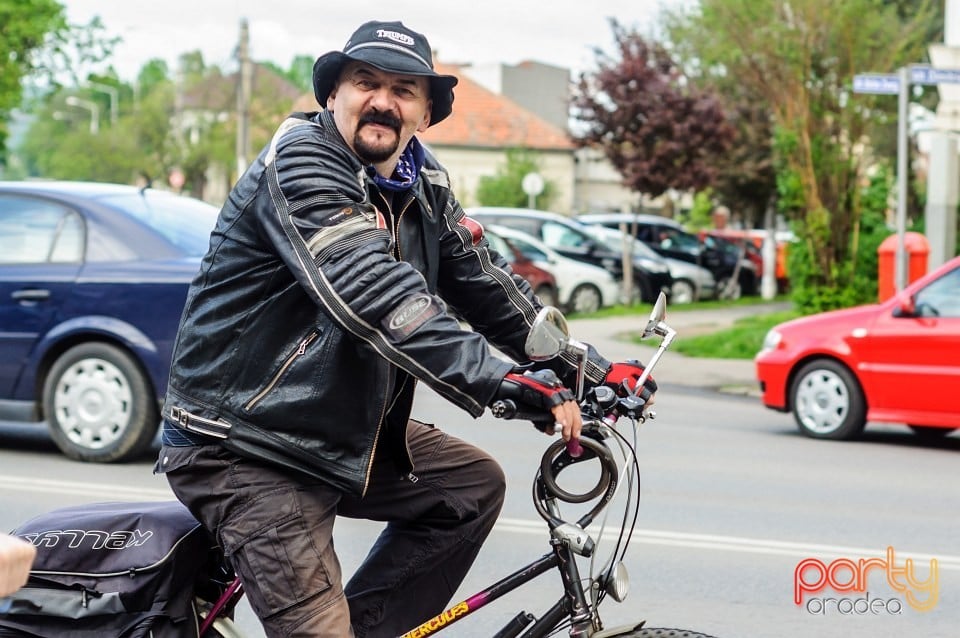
column 918, row 250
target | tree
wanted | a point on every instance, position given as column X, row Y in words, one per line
column 506, row 187
column 25, row 27
column 745, row 178
column 654, row 127
column 300, row 73
column 799, row 57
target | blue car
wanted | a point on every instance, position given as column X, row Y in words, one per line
column 93, row 279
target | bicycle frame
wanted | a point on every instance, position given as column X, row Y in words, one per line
column 561, row 557
column 567, row 540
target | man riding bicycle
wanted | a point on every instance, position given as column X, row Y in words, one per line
column 322, row 301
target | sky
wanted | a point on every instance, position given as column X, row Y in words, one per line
column 558, row 32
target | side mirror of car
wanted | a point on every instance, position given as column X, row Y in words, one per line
column 905, row 306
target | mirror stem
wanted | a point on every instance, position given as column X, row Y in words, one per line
column 668, row 334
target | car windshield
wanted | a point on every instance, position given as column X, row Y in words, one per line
column 529, row 250
column 183, row 221
column 613, row 239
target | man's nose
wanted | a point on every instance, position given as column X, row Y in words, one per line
column 382, row 99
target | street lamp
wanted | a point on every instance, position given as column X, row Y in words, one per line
column 73, row 100
column 114, row 98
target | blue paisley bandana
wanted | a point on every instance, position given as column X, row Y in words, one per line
column 407, row 171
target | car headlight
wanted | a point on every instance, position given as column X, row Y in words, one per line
column 772, row 339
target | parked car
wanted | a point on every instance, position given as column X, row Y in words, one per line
column 581, row 287
column 543, row 282
column 690, row 281
column 93, row 278
column 570, row 239
column 668, row 238
column 897, row 361
column 754, row 239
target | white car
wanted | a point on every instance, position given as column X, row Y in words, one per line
column 580, row 287
column 690, row 281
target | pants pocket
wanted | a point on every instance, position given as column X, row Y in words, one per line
column 270, row 546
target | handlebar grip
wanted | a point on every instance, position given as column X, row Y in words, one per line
column 574, row 449
column 508, row 409
column 504, row 409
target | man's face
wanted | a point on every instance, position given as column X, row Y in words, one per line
column 378, row 112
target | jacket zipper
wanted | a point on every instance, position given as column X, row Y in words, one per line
column 300, row 351
column 396, row 228
column 376, row 438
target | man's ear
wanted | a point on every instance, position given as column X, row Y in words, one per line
column 331, row 97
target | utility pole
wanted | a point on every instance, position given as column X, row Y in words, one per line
column 943, row 185
column 244, row 84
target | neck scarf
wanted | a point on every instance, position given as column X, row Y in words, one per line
column 407, row 170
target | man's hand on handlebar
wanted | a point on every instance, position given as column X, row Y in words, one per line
column 539, row 393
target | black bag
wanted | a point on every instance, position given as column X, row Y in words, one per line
column 111, row 570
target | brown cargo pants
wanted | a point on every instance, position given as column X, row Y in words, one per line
column 276, row 528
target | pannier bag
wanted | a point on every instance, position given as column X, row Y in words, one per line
column 121, row 570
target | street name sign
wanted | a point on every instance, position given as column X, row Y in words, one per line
column 878, row 83
column 930, row 75
column 889, row 83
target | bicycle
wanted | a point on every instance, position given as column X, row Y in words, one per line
column 577, row 610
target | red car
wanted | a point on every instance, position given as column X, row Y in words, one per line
column 897, row 361
column 544, row 284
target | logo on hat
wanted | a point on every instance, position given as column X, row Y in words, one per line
column 396, row 36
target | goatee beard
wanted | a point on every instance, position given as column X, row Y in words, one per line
column 375, row 155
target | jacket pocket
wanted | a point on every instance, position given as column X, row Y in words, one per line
column 303, row 347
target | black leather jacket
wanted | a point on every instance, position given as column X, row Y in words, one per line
column 317, row 308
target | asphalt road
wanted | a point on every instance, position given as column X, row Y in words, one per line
column 732, row 500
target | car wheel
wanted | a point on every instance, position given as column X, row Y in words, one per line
column 99, row 404
column 585, row 298
column 827, row 401
column 728, row 288
column 930, row 432
column 683, row 291
column 547, row 295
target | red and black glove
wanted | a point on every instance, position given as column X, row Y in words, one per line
column 622, row 377
column 530, row 395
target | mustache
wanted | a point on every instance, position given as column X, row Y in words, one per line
column 381, row 118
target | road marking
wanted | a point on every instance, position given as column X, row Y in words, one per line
column 92, row 490
column 736, row 543
column 714, row 542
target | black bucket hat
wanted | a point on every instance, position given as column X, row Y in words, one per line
column 390, row 47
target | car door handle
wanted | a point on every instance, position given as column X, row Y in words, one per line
column 32, row 294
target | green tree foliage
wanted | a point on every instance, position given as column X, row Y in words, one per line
column 800, row 57
column 300, row 73
column 745, row 178
column 506, row 189
column 699, row 216
column 654, row 127
column 24, row 28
